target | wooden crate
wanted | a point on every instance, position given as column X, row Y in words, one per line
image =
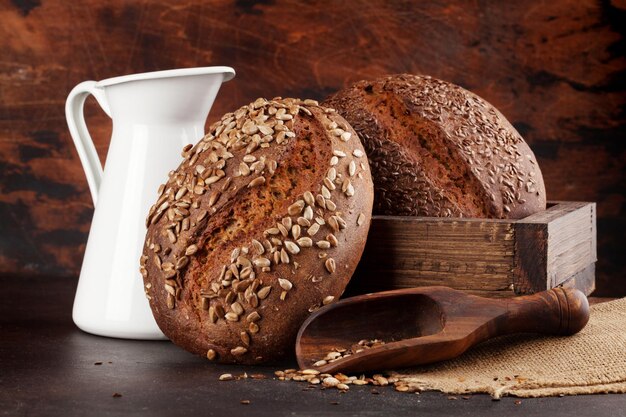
column 489, row 257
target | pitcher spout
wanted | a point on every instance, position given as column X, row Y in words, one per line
column 164, row 97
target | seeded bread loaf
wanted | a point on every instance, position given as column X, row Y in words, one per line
column 263, row 223
column 438, row 150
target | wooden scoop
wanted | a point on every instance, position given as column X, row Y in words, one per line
column 428, row 324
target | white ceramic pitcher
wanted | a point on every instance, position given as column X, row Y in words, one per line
column 154, row 116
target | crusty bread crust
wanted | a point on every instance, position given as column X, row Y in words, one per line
column 263, row 222
column 438, row 150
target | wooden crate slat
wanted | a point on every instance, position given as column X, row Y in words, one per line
column 492, row 257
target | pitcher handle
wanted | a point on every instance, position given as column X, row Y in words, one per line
column 80, row 135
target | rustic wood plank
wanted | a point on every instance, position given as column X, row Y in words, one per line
column 583, row 280
column 404, row 252
column 497, row 258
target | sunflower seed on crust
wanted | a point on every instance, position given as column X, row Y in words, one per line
column 305, row 242
column 328, row 299
column 296, row 208
column 254, row 316
column 245, row 338
column 256, row 182
column 292, row 247
column 308, row 198
column 311, row 231
column 323, row 244
column 264, row 292
column 330, row 265
column 284, row 257
column 285, row 284
column 231, row 316
column 238, row 351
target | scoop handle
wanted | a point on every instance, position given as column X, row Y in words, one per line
column 559, row 311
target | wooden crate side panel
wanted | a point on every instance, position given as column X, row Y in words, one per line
column 571, row 243
column 584, row 280
column 531, row 258
column 464, row 254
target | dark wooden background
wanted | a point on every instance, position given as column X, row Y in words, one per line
column 556, row 69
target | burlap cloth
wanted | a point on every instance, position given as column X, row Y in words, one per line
column 592, row 361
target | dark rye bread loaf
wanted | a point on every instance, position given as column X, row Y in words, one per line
column 262, row 223
column 438, row 150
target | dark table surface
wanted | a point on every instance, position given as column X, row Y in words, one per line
column 48, row 367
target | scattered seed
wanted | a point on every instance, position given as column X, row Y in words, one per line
column 272, row 231
column 360, row 219
column 308, row 213
column 330, row 381
column 245, row 338
column 305, row 242
column 191, row 249
column 329, row 184
column 382, row 381
column 215, row 195
column 236, row 308
column 333, row 223
column 254, row 316
column 296, row 208
column 323, row 244
column 226, row 377
column 308, row 198
column 315, row 227
column 295, row 231
column 238, row 351
column 257, row 247
column 211, row 354
column 264, row 292
column 292, row 247
column 331, row 174
column 212, row 315
column 328, row 299
column 261, row 262
column 283, row 230
column 256, row 182
column 330, row 265
column 325, row 192
column 284, row 258
column 285, row 284
column 231, row 316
